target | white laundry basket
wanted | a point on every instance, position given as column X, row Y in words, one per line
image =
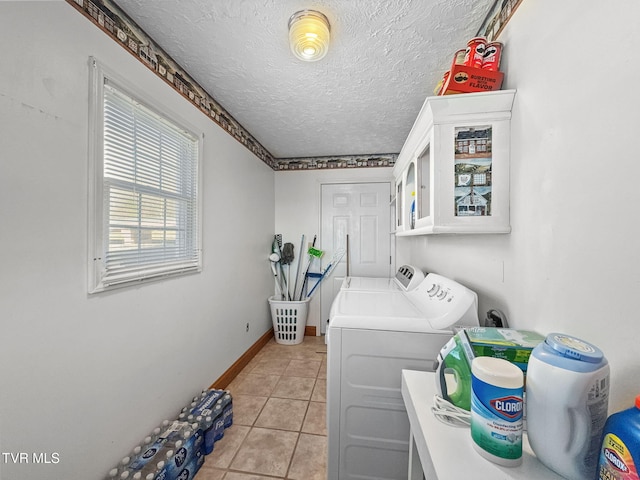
column 289, row 320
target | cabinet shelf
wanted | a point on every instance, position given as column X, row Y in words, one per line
column 452, row 229
column 452, row 174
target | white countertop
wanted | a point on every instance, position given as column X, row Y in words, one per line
column 446, row 452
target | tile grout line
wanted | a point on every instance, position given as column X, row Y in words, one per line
column 251, row 427
column 304, row 417
column 316, row 378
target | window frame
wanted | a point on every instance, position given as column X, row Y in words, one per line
column 98, row 281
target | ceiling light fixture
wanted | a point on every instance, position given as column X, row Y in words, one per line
column 309, row 34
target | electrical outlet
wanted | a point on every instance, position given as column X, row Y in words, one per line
column 247, row 326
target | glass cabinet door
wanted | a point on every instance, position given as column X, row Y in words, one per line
column 399, row 204
column 411, row 194
column 424, row 190
column 455, row 166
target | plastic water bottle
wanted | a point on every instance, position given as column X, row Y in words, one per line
column 159, row 466
column 227, row 406
column 205, row 424
column 218, row 422
column 124, row 463
column 113, row 474
column 151, row 470
column 620, row 446
column 567, row 402
column 169, row 453
column 146, row 443
column 162, row 449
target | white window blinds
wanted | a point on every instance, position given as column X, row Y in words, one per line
column 149, row 194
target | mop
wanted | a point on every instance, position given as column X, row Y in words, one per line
column 282, row 259
column 287, row 258
column 295, row 283
column 327, row 271
column 313, row 252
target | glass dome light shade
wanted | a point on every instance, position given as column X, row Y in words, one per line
column 309, row 35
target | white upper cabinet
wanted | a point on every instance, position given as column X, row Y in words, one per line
column 452, row 174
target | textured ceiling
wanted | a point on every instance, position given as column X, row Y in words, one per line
column 385, row 57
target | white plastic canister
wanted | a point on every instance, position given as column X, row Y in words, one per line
column 496, row 410
column 567, row 397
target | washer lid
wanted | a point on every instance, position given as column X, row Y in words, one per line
column 369, row 284
column 389, row 311
column 406, row 279
column 373, row 304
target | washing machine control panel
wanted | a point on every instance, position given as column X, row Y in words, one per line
column 439, row 292
column 445, row 302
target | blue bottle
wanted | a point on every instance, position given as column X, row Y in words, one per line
column 412, row 218
column 620, row 450
column 226, row 402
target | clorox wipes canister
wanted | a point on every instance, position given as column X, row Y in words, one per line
column 496, row 410
column 566, row 404
column 620, row 448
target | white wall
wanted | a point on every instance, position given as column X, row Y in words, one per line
column 298, row 208
column 571, row 263
column 88, row 376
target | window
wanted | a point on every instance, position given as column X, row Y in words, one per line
column 145, row 200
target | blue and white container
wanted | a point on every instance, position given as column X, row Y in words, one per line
column 213, row 411
column 496, row 410
column 567, row 403
column 620, row 448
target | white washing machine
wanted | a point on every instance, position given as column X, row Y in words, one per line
column 372, row 336
column 407, row 278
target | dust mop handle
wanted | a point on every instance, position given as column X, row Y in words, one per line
column 326, row 270
column 283, row 278
column 347, row 252
column 306, row 273
column 298, row 270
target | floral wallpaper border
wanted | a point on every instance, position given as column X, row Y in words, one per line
column 114, row 22
column 343, row 161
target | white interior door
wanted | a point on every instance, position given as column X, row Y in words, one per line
column 362, row 211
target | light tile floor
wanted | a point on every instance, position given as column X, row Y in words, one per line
column 279, row 417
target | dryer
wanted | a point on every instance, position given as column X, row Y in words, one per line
column 372, row 336
column 407, row 278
